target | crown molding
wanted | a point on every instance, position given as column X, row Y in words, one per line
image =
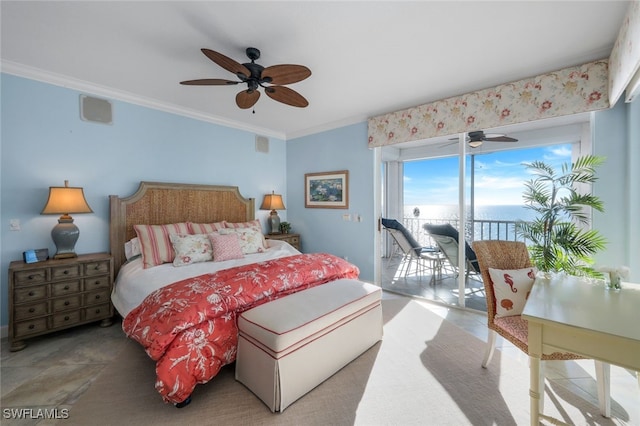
column 37, row 74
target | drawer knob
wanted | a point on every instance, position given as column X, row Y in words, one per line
column 97, row 311
column 97, row 296
column 31, row 293
column 66, row 272
column 31, row 326
column 66, row 287
column 31, row 277
column 97, row 282
column 66, row 303
column 31, row 310
column 66, row 318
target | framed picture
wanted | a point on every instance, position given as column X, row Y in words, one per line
column 329, row 190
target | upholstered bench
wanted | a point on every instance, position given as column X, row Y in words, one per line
column 289, row 346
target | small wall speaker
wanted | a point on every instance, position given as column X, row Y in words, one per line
column 95, row 110
column 262, row 144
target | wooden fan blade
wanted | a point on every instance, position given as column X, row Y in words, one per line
column 286, row 96
column 285, row 74
column 209, row 82
column 227, row 63
column 247, row 98
column 501, row 139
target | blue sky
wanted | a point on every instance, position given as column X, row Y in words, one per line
column 499, row 177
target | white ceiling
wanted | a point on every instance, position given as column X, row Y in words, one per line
column 367, row 58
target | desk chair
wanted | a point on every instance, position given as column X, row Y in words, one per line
column 503, row 255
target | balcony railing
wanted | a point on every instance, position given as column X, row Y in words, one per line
column 481, row 229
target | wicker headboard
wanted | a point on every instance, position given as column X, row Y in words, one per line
column 157, row 203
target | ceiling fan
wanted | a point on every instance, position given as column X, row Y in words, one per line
column 476, row 138
column 272, row 79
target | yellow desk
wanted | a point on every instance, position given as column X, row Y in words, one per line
column 578, row 315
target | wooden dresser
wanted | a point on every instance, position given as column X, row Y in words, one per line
column 56, row 294
column 293, row 239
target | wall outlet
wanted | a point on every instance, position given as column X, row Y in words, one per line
column 14, row 225
column 346, row 217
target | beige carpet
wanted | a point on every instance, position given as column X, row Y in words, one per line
column 426, row 371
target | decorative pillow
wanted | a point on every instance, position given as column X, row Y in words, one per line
column 205, row 228
column 132, row 248
column 254, row 224
column 225, row 246
column 155, row 244
column 251, row 241
column 512, row 288
column 191, row 249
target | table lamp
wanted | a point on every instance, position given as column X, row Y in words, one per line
column 273, row 202
column 65, row 200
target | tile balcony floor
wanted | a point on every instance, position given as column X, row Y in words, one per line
column 443, row 288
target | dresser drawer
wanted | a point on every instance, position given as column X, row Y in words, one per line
column 33, row 276
column 34, row 326
column 65, row 303
column 28, row 294
column 67, row 271
column 97, row 312
column 97, row 268
column 22, row 312
column 66, row 287
column 66, row 319
column 96, row 283
column 93, row 297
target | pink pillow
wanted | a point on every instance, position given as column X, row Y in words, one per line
column 225, row 247
column 254, row 224
column 205, row 228
column 155, row 245
column 512, row 288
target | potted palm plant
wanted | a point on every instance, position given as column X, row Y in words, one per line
column 558, row 239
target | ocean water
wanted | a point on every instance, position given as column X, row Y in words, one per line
column 484, row 212
column 440, row 213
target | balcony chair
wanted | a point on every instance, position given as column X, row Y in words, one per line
column 446, row 237
column 412, row 251
column 513, row 255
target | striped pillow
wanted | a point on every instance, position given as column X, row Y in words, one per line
column 155, row 244
column 254, row 224
column 205, row 228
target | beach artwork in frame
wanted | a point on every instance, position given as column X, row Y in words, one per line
column 327, row 190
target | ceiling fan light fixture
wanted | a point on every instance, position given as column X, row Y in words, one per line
column 475, row 144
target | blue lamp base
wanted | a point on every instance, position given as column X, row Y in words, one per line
column 274, row 222
column 65, row 235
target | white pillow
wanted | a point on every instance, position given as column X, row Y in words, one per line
column 191, row 249
column 251, row 241
column 132, row 248
column 511, row 288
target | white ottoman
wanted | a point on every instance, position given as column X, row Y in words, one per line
column 290, row 345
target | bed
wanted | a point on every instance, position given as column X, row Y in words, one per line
column 181, row 304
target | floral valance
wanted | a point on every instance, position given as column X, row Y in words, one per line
column 568, row 91
column 624, row 61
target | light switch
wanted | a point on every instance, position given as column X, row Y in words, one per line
column 14, row 225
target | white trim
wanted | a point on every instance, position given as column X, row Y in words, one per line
column 37, row 74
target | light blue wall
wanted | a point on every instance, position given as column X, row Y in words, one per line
column 44, row 142
column 325, row 230
column 616, row 136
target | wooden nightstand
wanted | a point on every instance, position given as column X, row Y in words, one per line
column 56, row 294
column 293, row 239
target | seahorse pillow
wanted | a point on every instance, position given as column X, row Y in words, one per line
column 511, row 288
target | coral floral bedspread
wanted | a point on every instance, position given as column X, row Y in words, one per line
column 189, row 327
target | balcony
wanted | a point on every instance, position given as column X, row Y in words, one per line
column 439, row 283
